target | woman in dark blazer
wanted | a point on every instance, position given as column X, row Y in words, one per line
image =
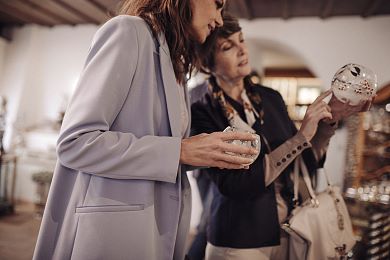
column 249, row 204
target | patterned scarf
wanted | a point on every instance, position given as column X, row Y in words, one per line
column 248, row 97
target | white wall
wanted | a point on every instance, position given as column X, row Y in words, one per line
column 326, row 45
column 40, row 69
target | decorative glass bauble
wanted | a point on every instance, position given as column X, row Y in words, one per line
column 256, row 144
column 354, row 83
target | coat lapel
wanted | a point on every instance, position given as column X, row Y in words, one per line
column 188, row 110
column 170, row 86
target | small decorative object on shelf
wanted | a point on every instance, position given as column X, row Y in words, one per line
column 43, row 180
column 367, row 178
column 354, row 83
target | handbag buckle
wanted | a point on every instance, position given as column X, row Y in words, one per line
column 341, row 251
column 315, row 203
column 295, row 202
column 340, row 221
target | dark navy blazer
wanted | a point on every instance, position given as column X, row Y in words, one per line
column 244, row 211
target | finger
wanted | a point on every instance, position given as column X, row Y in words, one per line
column 366, row 105
column 316, row 106
column 327, row 107
column 315, row 113
column 226, row 165
column 236, row 136
column 322, row 96
column 232, row 159
column 326, row 115
column 324, row 105
column 240, row 149
column 322, row 114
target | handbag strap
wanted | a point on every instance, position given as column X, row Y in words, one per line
column 307, row 180
column 329, row 184
column 296, row 181
column 299, row 165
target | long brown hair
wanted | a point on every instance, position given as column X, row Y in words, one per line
column 173, row 18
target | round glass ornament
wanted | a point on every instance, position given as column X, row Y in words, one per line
column 256, row 144
column 354, row 83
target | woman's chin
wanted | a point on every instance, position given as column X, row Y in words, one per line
column 202, row 38
column 245, row 71
column 197, row 37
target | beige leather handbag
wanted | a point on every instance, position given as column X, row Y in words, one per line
column 321, row 227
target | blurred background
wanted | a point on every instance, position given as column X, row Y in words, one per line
column 295, row 46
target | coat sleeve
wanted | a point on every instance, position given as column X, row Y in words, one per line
column 238, row 184
column 308, row 155
column 86, row 141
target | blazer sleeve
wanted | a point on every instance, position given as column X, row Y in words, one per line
column 86, row 142
column 239, row 184
column 308, row 155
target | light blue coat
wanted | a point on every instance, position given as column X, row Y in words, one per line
column 118, row 190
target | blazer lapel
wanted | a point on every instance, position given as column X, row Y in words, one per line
column 170, row 86
column 188, row 111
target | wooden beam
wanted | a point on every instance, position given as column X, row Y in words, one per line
column 101, row 7
column 245, row 7
column 371, row 7
column 26, row 17
column 286, row 6
column 239, row 8
column 56, row 8
column 78, row 13
column 9, row 18
column 46, row 11
column 110, row 5
column 88, row 9
column 30, row 8
column 6, row 31
column 327, row 9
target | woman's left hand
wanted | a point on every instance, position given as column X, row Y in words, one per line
column 342, row 110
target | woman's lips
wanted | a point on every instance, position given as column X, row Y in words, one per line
column 243, row 63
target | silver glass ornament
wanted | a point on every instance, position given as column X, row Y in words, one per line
column 256, row 144
column 354, row 83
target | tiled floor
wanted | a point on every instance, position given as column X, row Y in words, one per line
column 18, row 233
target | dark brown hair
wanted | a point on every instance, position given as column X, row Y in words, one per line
column 173, row 18
column 230, row 26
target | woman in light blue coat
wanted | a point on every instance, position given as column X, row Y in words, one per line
column 119, row 189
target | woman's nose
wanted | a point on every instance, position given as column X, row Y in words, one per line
column 241, row 49
column 218, row 19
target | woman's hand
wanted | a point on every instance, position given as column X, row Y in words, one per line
column 315, row 112
column 342, row 110
column 212, row 150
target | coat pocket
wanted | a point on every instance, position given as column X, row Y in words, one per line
column 110, row 208
column 115, row 232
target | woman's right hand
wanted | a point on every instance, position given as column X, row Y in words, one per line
column 212, row 150
column 315, row 112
